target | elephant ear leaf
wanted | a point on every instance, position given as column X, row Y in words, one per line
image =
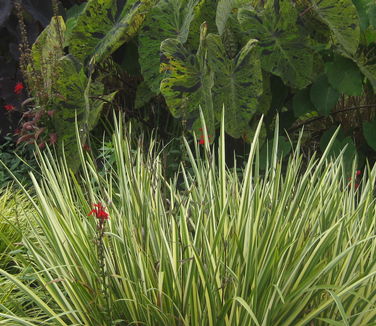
column 238, row 83
column 103, row 26
column 369, row 71
column 188, row 84
column 71, row 105
column 342, row 18
column 204, row 12
column 167, row 19
column 47, row 50
column 285, row 48
column 224, row 10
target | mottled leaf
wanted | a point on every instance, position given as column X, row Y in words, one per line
column 344, row 75
column 104, row 25
column 204, row 12
column 224, row 9
column 188, row 84
column 361, row 6
column 47, row 49
column 72, row 15
column 323, row 96
column 71, row 104
column 168, row 19
column 342, row 18
column 238, row 83
column 49, row 44
column 284, row 47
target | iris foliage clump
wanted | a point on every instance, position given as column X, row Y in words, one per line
column 285, row 246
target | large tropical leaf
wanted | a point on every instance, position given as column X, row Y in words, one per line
column 168, row 19
column 204, row 12
column 285, row 47
column 46, row 51
column 224, row 10
column 369, row 71
column 238, row 83
column 323, row 96
column 344, row 75
column 73, row 103
column 188, row 84
column 104, row 25
column 342, row 18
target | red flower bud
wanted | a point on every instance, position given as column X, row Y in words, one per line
column 9, row 107
column 18, row 88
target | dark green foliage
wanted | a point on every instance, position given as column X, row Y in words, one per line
column 248, row 57
column 344, row 75
column 369, row 132
column 302, row 103
column 323, row 96
column 19, row 160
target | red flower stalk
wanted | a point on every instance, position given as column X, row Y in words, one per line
column 9, row 107
column 201, row 141
column 99, row 212
column 18, row 88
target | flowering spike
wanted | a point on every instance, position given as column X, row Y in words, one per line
column 99, row 212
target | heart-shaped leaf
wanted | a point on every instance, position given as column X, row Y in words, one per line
column 188, row 84
column 342, row 18
column 344, row 75
column 103, row 26
column 168, row 19
column 285, row 50
column 323, row 96
column 238, row 83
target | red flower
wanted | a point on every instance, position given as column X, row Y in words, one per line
column 18, row 88
column 99, row 212
column 201, row 141
column 358, row 173
column 9, row 107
